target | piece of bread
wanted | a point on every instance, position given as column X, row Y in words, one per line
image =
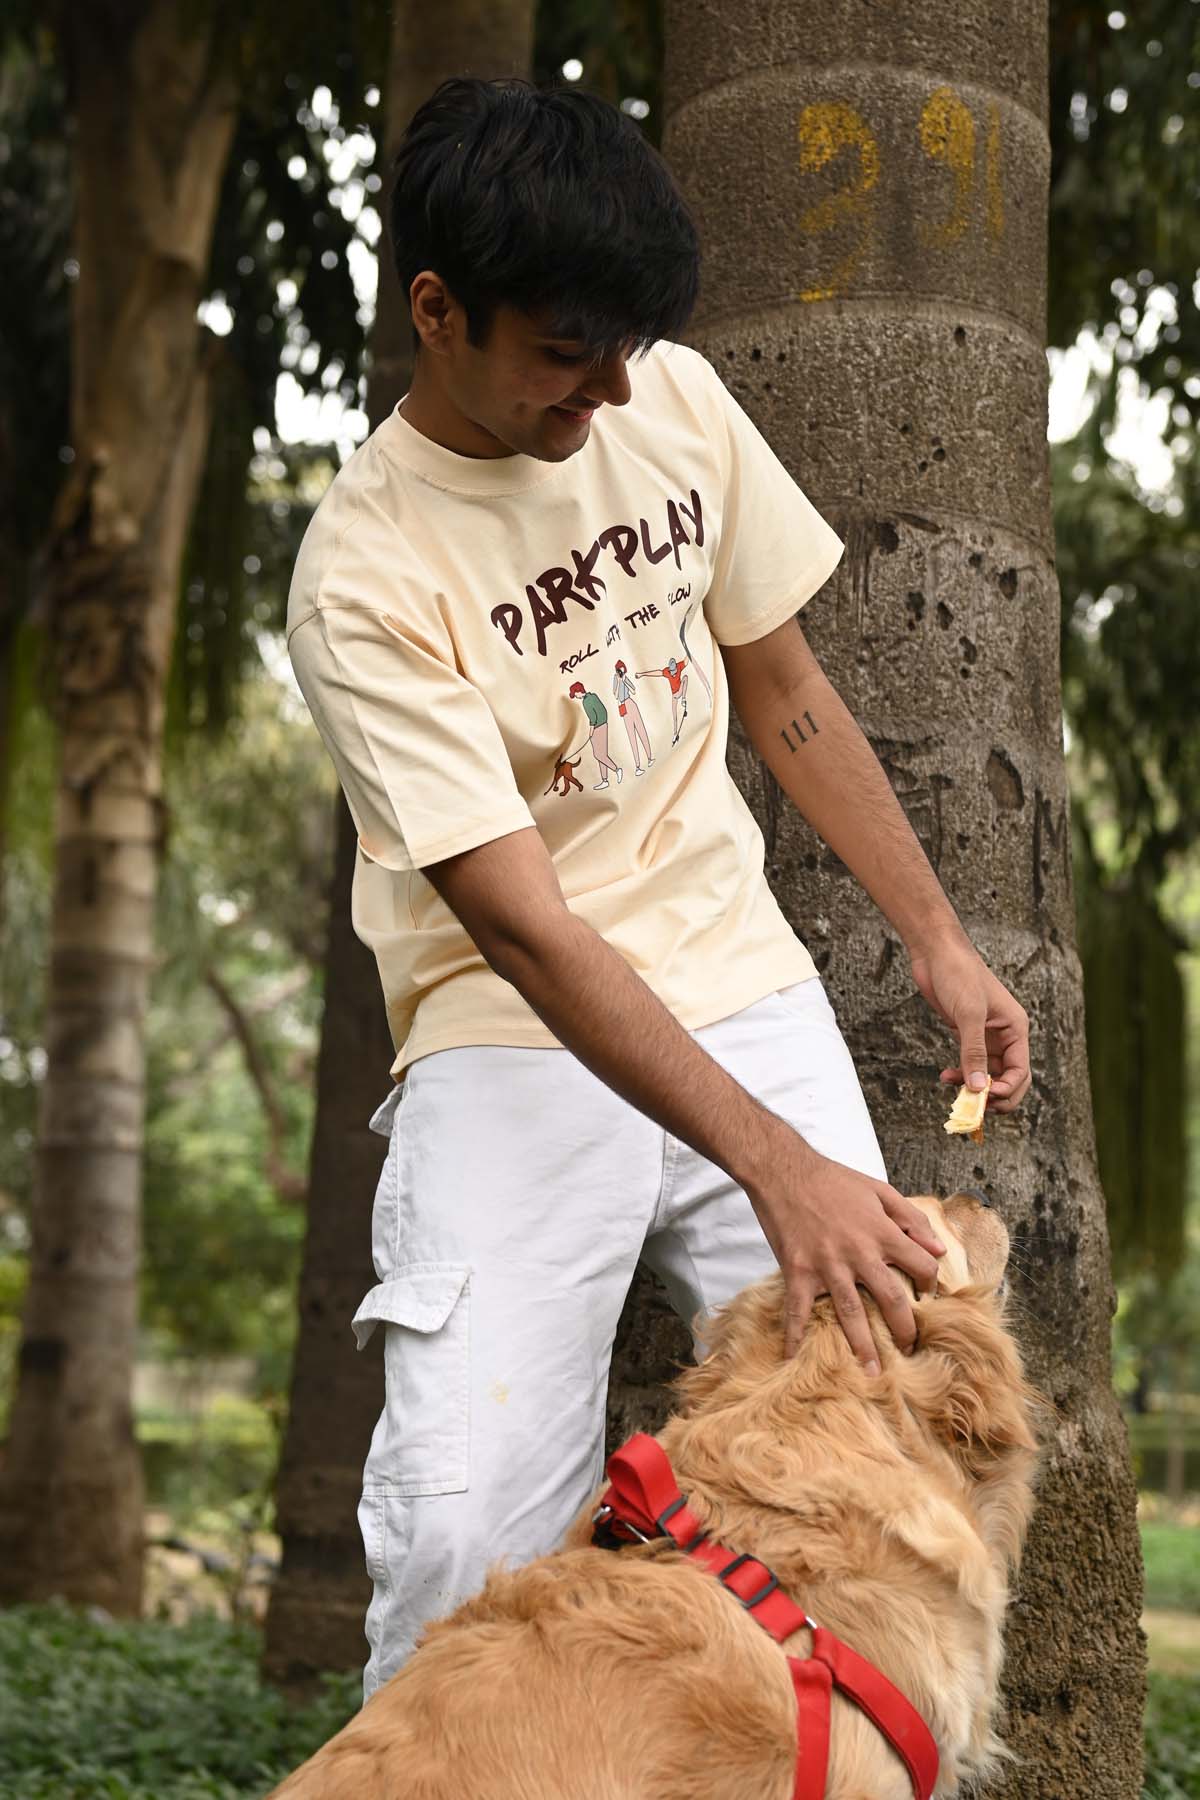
column 967, row 1112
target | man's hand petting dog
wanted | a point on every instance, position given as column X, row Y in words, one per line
column 830, row 1228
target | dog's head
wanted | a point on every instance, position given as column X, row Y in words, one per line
column 963, row 1389
column 976, row 1240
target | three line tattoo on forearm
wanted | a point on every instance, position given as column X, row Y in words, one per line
column 802, row 736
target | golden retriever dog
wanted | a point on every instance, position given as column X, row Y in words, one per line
column 893, row 1509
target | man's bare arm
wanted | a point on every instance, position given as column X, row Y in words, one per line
column 829, row 1226
column 810, row 741
column 814, row 747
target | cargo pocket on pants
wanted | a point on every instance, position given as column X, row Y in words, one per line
column 420, row 1443
column 385, row 1208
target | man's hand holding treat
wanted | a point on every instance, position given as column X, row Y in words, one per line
column 991, row 1026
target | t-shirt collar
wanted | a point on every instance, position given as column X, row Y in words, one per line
column 462, row 474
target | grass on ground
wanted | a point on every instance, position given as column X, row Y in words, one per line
column 93, row 1710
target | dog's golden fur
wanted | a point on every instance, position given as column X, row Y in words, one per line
column 893, row 1509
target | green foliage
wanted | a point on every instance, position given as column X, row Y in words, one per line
column 307, row 246
column 1156, row 1345
column 619, row 43
column 273, row 226
column 1157, row 1350
column 1136, row 1061
column 222, row 1255
column 246, row 532
column 280, row 261
column 13, row 1270
column 1131, row 670
column 1125, row 170
column 146, row 1711
column 1130, row 652
column 1171, row 1555
column 194, row 1464
column 1172, row 1734
column 288, row 47
column 241, row 926
column 241, row 921
column 28, row 837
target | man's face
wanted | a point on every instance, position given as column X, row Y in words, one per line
column 525, row 390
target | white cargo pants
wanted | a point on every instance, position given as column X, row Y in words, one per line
column 517, row 1195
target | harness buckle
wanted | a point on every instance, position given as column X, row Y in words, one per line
column 604, row 1534
column 769, row 1586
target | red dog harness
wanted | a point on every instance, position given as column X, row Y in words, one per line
column 643, row 1501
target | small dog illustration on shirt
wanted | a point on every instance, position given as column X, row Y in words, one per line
column 563, row 772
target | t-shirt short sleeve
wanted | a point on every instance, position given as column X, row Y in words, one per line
column 416, row 746
column 775, row 549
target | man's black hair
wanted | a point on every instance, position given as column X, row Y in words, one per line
column 550, row 200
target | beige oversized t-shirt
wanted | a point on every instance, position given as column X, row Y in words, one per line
column 487, row 644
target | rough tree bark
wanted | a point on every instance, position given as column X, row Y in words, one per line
column 153, row 111
column 871, row 185
column 319, row 1602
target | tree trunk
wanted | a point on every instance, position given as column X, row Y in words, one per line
column 318, row 1606
column 871, row 196
column 154, row 120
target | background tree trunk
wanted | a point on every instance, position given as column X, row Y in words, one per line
column 318, row 1606
column 154, row 119
column 872, row 203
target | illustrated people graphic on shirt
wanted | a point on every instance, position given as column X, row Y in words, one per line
column 677, row 679
column 597, row 714
column 631, row 712
column 693, row 609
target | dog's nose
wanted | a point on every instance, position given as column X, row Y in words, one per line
column 976, row 1194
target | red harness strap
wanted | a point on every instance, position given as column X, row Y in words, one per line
column 643, row 1501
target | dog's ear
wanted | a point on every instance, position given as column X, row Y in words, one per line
column 966, row 1383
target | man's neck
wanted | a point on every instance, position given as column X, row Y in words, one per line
column 427, row 410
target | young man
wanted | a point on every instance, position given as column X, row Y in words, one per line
column 612, row 1044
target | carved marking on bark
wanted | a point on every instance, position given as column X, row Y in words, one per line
column 862, row 538
column 1051, row 842
column 920, row 795
column 1004, row 780
column 943, row 564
